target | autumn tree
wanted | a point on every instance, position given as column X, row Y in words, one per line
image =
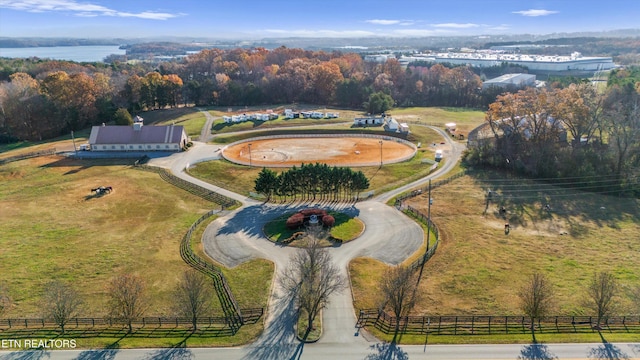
column 61, row 302
column 622, row 116
column 126, row 301
column 21, row 108
column 324, row 79
column 311, row 278
column 193, row 296
column 602, row 291
column 536, row 297
column 398, row 288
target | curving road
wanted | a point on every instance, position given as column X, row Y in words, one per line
column 389, row 236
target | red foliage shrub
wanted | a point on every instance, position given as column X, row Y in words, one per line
column 308, row 212
column 295, row 221
column 328, row 221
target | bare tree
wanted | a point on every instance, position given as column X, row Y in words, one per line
column 5, row 299
column 193, row 296
column 311, row 278
column 61, row 302
column 398, row 287
column 126, row 298
column 601, row 293
column 536, row 298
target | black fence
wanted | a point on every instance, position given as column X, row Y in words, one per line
column 27, row 156
column 494, row 325
column 145, row 326
column 227, row 300
column 223, row 201
column 433, row 229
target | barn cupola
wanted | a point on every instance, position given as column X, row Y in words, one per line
column 137, row 123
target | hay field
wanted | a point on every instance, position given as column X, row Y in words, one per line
column 478, row 269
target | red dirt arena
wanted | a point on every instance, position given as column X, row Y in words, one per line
column 343, row 151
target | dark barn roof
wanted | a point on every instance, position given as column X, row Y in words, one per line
column 122, row 134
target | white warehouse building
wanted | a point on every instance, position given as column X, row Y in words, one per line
column 575, row 62
column 511, row 80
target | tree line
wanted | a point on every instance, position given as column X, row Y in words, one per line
column 310, row 181
column 537, row 296
column 126, row 299
column 575, row 133
column 40, row 99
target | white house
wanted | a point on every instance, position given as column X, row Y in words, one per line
column 138, row 138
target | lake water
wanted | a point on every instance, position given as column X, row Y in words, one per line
column 72, row 53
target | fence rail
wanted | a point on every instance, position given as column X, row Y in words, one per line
column 221, row 323
column 27, row 156
column 197, row 190
column 490, row 325
column 227, row 300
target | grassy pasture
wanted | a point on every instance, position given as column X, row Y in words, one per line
column 52, row 228
column 191, row 118
column 478, row 269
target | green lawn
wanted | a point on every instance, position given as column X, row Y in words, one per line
column 345, row 228
column 192, row 120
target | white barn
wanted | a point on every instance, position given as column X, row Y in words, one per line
column 138, row 138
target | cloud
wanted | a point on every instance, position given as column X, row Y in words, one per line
column 79, row 9
column 455, row 25
column 535, row 12
column 501, row 27
column 384, row 22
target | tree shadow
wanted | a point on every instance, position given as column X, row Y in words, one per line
column 252, row 219
column 27, row 355
column 606, row 351
column 536, row 352
column 108, row 353
column 387, row 351
column 526, row 201
column 278, row 340
column 174, row 353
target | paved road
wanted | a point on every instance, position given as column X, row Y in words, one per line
column 376, row 351
column 389, row 236
column 205, row 133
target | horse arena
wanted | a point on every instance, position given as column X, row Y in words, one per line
column 339, row 151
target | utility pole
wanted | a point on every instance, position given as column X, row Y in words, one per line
column 249, row 154
column 380, row 153
column 74, row 143
column 429, row 217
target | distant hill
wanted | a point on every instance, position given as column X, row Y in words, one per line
column 7, row 42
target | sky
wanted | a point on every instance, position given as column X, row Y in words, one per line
column 256, row 19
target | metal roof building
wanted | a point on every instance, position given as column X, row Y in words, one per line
column 511, row 80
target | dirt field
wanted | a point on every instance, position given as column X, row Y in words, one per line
column 351, row 151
